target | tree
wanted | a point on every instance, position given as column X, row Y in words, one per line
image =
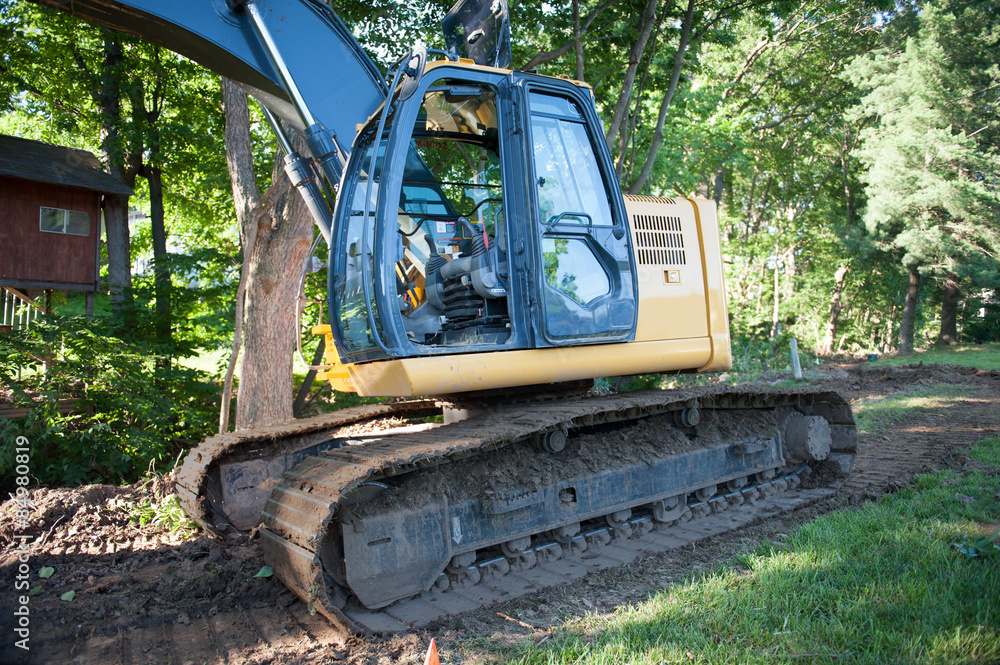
column 276, row 231
column 775, row 151
column 932, row 157
column 79, row 74
column 98, row 82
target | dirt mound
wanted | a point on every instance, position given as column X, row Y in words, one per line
column 75, row 510
column 124, row 575
column 879, row 379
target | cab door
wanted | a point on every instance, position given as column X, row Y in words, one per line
column 584, row 277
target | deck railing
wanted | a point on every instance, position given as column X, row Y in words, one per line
column 17, row 310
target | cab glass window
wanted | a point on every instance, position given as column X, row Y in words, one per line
column 568, row 182
column 572, row 269
column 450, row 250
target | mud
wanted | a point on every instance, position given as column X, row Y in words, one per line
column 522, row 469
column 145, row 595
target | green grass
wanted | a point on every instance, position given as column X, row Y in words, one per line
column 981, row 356
column 882, row 584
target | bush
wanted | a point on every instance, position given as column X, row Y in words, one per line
column 133, row 407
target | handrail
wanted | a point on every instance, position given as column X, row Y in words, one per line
column 15, row 314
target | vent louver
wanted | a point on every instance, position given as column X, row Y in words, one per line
column 649, row 199
column 658, row 240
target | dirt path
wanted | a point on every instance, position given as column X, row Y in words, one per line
column 144, row 596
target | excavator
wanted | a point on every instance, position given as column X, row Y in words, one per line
column 481, row 253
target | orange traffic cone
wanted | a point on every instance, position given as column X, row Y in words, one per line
column 432, row 655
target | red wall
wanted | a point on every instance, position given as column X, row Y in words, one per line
column 29, row 254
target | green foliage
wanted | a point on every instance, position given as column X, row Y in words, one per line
column 131, row 406
column 981, row 546
column 202, row 310
column 932, row 156
column 166, row 514
column 754, row 356
column 627, row 384
column 983, row 356
column 789, row 183
column 932, row 143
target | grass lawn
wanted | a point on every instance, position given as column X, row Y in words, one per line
column 876, row 415
column 982, row 356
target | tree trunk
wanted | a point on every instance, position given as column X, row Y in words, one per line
column 239, row 158
column 647, row 167
column 161, row 270
column 115, row 209
column 719, row 184
column 845, row 170
column 949, row 311
column 276, row 232
column 284, row 235
column 115, row 206
column 909, row 312
column 300, row 398
column 246, row 197
column 833, row 320
column 148, row 113
column 577, row 40
column 777, row 295
column 788, row 261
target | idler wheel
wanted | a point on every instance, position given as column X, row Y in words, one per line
column 554, row 441
column 688, row 417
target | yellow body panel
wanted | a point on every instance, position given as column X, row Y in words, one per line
column 682, row 321
column 438, row 375
column 669, row 268
column 679, row 266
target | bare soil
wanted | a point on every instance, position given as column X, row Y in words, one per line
column 144, row 595
column 520, row 470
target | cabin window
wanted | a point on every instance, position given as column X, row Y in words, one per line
column 568, row 181
column 572, row 269
column 70, row 222
column 450, row 247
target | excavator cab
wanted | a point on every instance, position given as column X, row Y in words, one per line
column 486, row 217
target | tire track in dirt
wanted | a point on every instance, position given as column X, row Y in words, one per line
column 889, row 463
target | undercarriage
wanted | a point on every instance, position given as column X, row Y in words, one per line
column 381, row 521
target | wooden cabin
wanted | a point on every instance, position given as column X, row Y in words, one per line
column 50, row 219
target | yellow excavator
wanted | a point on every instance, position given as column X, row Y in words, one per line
column 481, row 252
